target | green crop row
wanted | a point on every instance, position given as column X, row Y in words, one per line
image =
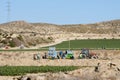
column 22, row 70
column 90, row 43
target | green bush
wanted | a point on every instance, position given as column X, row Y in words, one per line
column 50, row 38
column 20, row 38
column 12, row 44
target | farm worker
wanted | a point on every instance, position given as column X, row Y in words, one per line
column 97, row 67
column 6, row 47
column 111, row 65
column 38, row 56
column 60, row 53
column 45, row 55
column 34, row 57
column 63, row 55
column 65, row 52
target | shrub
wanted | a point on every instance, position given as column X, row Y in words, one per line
column 50, row 38
column 12, row 44
column 20, row 38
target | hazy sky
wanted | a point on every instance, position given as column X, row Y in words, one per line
column 61, row 11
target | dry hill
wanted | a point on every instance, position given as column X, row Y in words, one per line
column 30, row 34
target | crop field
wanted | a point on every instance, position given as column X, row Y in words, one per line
column 22, row 70
column 90, row 43
column 95, row 44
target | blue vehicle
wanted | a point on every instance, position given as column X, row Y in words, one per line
column 52, row 53
column 85, row 54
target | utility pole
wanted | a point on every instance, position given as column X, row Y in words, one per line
column 8, row 10
column 69, row 43
column 69, row 38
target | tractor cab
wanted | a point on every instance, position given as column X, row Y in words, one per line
column 85, row 52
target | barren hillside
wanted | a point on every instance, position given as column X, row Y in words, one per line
column 30, row 34
column 102, row 27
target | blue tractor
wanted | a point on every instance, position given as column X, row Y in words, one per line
column 85, row 54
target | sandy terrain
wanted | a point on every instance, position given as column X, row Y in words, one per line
column 59, row 33
column 105, row 72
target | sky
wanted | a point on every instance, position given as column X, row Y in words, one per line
column 60, row 11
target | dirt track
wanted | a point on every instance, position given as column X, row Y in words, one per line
column 26, row 58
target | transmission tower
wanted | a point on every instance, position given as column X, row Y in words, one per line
column 8, row 10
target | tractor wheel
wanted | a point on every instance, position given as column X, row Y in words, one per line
column 84, row 56
column 58, row 57
column 72, row 57
column 94, row 57
column 80, row 56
